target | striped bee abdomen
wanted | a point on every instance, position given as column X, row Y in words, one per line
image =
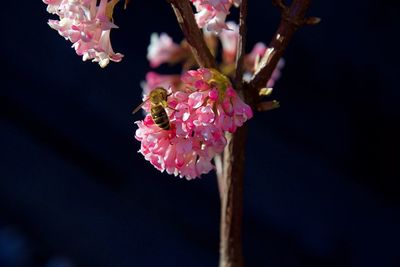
column 160, row 117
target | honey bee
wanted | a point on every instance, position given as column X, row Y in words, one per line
column 158, row 102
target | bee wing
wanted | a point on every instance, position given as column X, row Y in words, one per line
column 138, row 107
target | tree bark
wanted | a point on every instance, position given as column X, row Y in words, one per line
column 231, row 254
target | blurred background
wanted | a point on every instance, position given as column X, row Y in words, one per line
column 321, row 182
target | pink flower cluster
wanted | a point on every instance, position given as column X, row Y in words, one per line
column 87, row 26
column 211, row 14
column 200, row 110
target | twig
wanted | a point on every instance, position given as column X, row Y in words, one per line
column 292, row 18
column 241, row 45
column 279, row 4
column 193, row 35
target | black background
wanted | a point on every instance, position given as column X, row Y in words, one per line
column 320, row 187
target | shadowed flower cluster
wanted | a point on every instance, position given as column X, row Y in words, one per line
column 201, row 108
column 87, row 26
column 229, row 41
column 163, row 49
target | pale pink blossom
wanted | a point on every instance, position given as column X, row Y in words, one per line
column 87, row 26
column 52, row 5
column 162, row 49
column 211, row 14
column 229, row 40
column 200, row 111
column 252, row 59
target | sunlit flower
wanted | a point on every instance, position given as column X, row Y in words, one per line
column 87, row 26
column 200, row 111
column 211, row 14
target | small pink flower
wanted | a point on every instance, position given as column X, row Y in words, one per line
column 211, row 14
column 87, row 26
column 162, row 49
column 52, row 5
column 200, row 111
column 255, row 55
column 229, row 40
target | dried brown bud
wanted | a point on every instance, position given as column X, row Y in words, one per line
column 268, row 105
column 312, row 21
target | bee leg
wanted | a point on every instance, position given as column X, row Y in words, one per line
column 172, row 108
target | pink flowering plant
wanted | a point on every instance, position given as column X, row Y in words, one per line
column 194, row 121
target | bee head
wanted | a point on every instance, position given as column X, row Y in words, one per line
column 158, row 95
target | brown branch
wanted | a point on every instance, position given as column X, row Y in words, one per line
column 231, row 183
column 241, row 45
column 292, row 18
column 194, row 36
column 231, row 254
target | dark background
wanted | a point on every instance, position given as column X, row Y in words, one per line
column 320, row 187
